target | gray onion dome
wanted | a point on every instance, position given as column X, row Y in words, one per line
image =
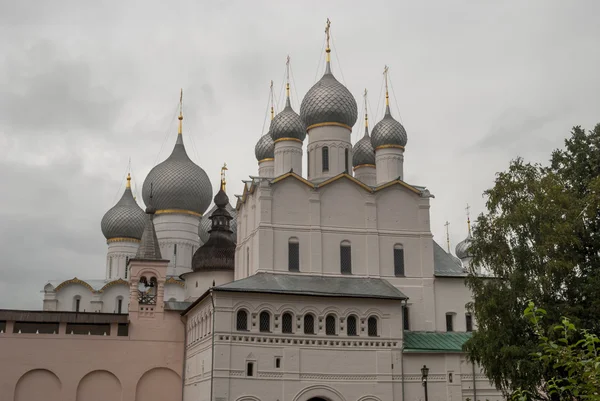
column 205, row 223
column 125, row 219
column 463, row 249
column 362, row 152
column 328, row 101
column 388, row 132
column 288, row 124
column 178, row 183
column 265, row 147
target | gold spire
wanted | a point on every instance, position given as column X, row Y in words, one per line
column 223, row 181
column 328, row 37
column 272, row 107
column 180, row 112
column 387, row 94
column 366, row 115
column 447, row 235
column 468, row 209
column 287, row 78
column 128, row 185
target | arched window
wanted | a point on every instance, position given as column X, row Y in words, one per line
column 242, row 320
column 286, row 323
column 325, row 158
column 372, row 326
column 265, row 321
column 76, row 303
column 345, row 257
column 309, row 324
column 449, row 321
column 293, row 255
column 330, row 328
column 398, row 260
column 119, row 305
column 351, row 326
column 346, row 157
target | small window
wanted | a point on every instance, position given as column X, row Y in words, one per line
column 77, row 304
column 126, row 267
column 345, row 258
column 277, row 362
column 242, row 320
column 372, row 326
column 325, row 158
column 250, row 369
column 405, row 318
column 293, row 255
column 449, row 322
column 286, row 323
column 175, row 249
column 309, row 324
column 469, row 321
column 110, row 267
column 398, row 260
column 119, row 305
column 265, row 322
column 450, row 378
column 330, row 325
column 308, row 163
column 346, row 157
column 351, row 326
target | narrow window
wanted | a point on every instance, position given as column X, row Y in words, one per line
column 405, row 318
column 250, row 369
column 293, row 255
column 126, row 267
column 449, row 322
column 119, row 305
column 330, row 325
column 77, row 304
column 265, row 322
column 345, row 258
column 175, row 249
column 351, row 326
column 277, row 363
column 286, row 323
column 325, row 158
column 309, row 324
column 346, row 155
column 469, row 321
column 398, row 260
column 450, row 378
column 308, row 163
column 242, row 320
column 372, row 326
column 247, row 261
column 110, row 267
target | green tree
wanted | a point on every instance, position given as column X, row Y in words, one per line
column 540, row 241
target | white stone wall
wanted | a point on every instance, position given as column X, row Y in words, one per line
column 197, row 283
column 337, row 139
column 288, row 156
column 119, row 252
column 266, row 168
column 366, row 174
column 181, row 230
column 451, row 296
column 390, row 164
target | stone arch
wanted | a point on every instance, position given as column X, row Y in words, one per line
column 319, row 393
column 38, row 384
column 248, row 398
column 158, row 384
column 99, row 385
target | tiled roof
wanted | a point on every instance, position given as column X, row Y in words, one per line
column 423, row 341
column 444, row 264
column 296, row 284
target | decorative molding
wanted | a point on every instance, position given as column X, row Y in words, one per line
column 122, row 239
column 114, row 282
column 339, row 377
column 173, row 280
column 266, row 159
column 363, row 165
column 178, row 211
column 330, row 124
column 287, row 139
column 74, row 280
column 389, row 147
column 274, row 375
column 319, row 342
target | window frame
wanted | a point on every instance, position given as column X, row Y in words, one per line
column 293, row 242
column 237, row 320
column 399, row 259
column 371, row 319
column 405, row 318
column 291, row 315
column 355, row 319
column 261, row 315
column 325, row 159
column 468, row 322
column 346, row 246
column 329, row 317
column 309, row 315
column 450, row 322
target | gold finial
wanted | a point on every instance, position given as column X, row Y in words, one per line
column 287, row 78
column 223, row 181
column 387, row 94
column 447, row 235
column 468, row 209
column 366, row 115
column 272, row 107
column 328, row 37
column 128, row 185
column 180, row 111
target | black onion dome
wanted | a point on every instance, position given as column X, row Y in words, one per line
column 388, row 131
column 328, row 101
column 218, row 253
column 265, row 147
column 125, row 219
column 178, row 183
column 288, row 124
column 363, row 152
column 463, row 249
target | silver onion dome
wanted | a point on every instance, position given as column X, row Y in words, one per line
column 288, row 124
column 328, row 101
column 205, row 223
column 178, row 183
column 388, row 131
column 125, row 219
column 463, row 249
column 362, row 152
column 265, row 147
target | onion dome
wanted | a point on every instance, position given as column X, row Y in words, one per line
column 265, row 147
column 179, row 185
column 218, row 253
column 287, row 124
column 362, row 152
column 388, row 132
column 125, row 219
column 463, row 248
column 206, row 224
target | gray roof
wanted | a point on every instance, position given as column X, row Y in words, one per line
column 125, row 219
column 446, row 265
column 328, row 101
column 363, row 152
column 68, row 317
column 288, row 124
column 388, row 132
column 324, row 286
column 265, row 147
column 149, row 248
column 178, row 183
column 177, row 305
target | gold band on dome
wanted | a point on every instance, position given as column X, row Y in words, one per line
column 266, row 159
column 363, row 165
column 329, row 125
column 287, row 139
column 122, row 239
column 178, row 211
column 390, row 147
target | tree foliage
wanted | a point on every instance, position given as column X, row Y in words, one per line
column 539, row 240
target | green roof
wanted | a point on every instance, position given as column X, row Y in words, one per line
column 423, row 341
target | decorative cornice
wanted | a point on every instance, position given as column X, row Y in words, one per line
column 74, row 280
column 122, row 239
column 178, row 211
column 173, row 280
column 329, row 125
column 347, row 176
column 114, row 282
column 363, row 165
column 287, row 139
column 389, row 147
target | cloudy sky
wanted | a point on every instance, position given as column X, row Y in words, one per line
column 87, row 85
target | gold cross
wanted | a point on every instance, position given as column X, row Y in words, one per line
column 447, row 225
column 223, row 181
column 327, row 28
